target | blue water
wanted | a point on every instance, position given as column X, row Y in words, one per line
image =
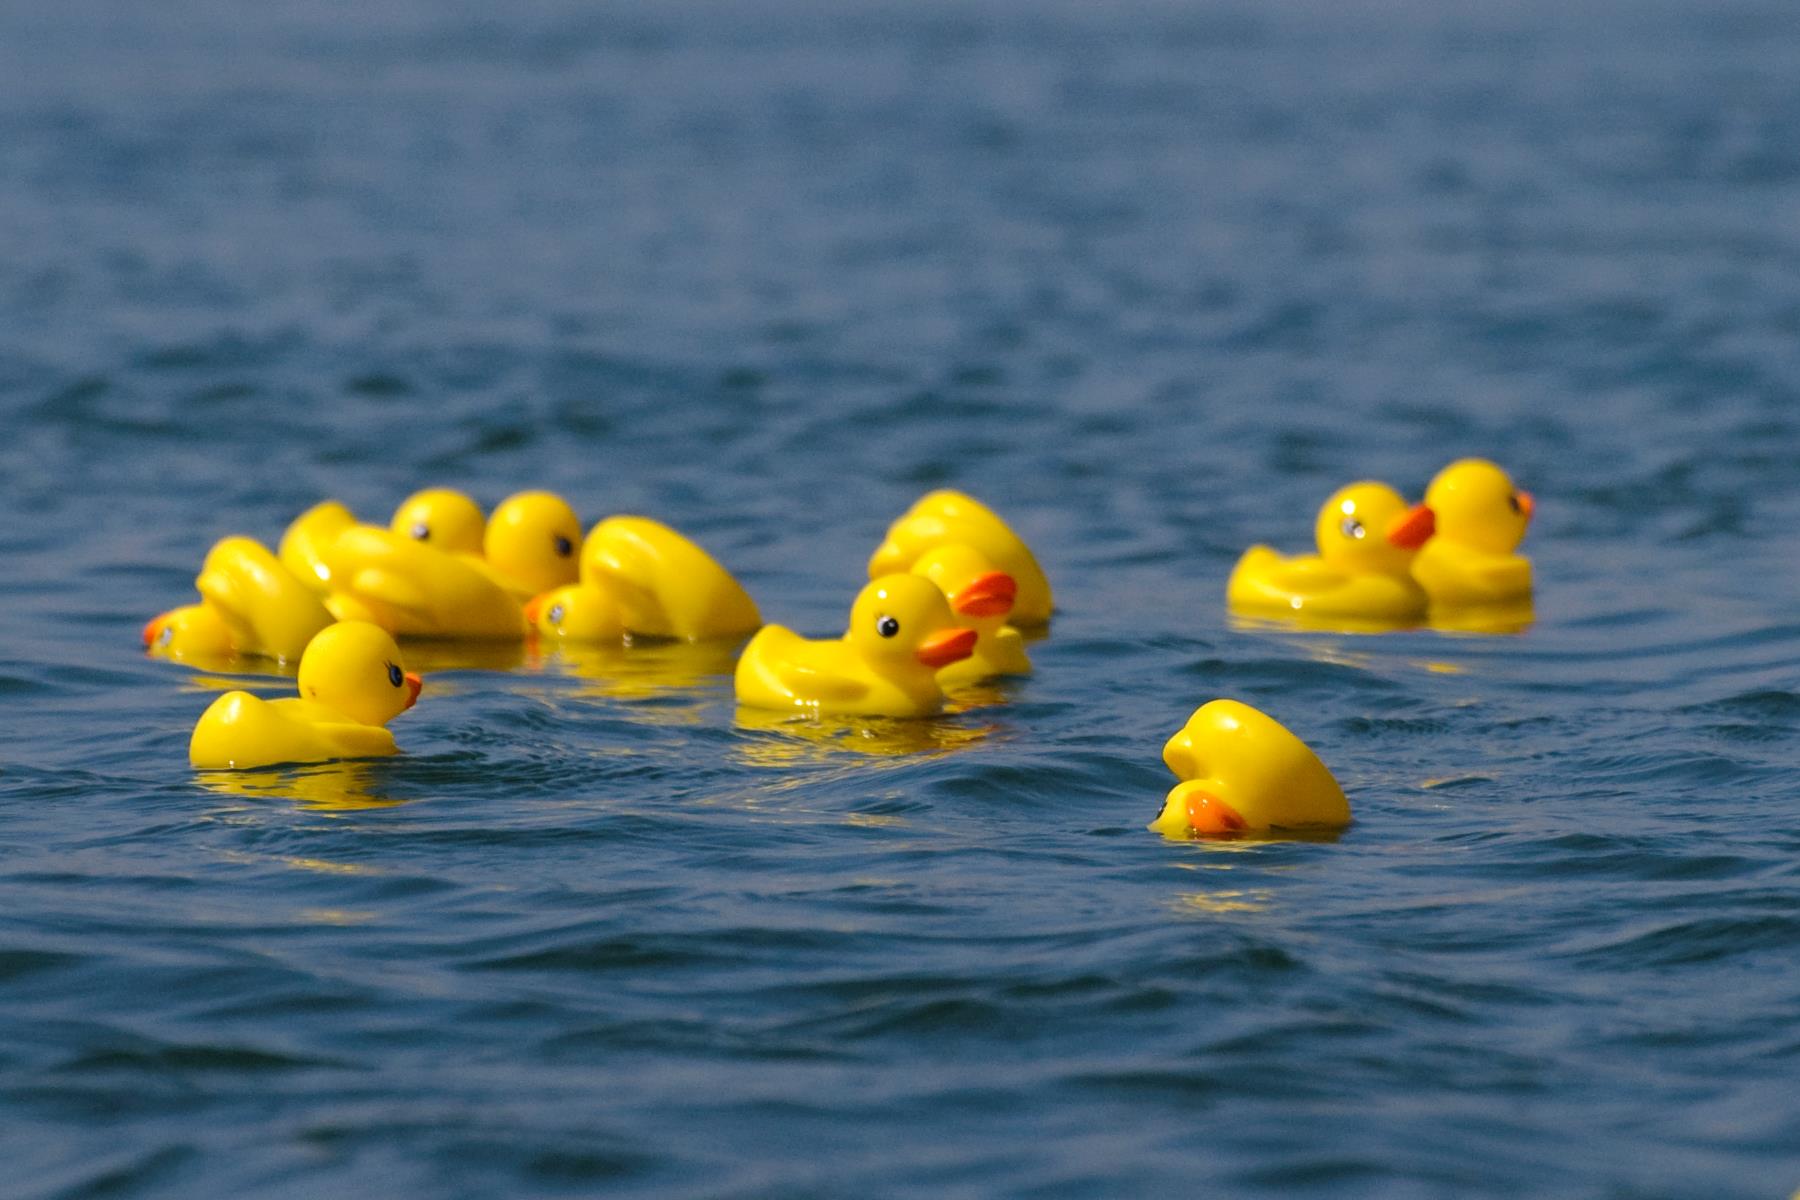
column 1152, row 279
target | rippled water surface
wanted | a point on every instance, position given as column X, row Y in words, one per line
column 1152, row 279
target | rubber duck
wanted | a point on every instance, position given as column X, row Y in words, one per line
column 901, row 634
column 640, row 577
column 443, row 518
column 530, row 543
column 1359, row 571
column 192, row 633
column 410, row 588
column 982, row 598
column 263, row 607
column 352, row 682
column 947, row 517
column 1241, row 771
column 304, row 543
column 1466, row 531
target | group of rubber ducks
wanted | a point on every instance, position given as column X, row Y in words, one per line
column 950, row 589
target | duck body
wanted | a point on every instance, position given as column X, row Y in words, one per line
column 242, row 730
column 249, row 604
column 351, row 683
column 1242, row 771
column 949, row 517
column 901, row 633
column 443, row 518
column 1357, row 573
column 412, row 589
column 307, row 538
column 640, row 577
column 1467, row 530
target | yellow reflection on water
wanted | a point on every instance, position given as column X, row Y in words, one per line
column 1497, row 619
column 1275, row 620
column 425, row 655
column 797, row 739
column 330, row 787
column 643, row 670
column 1225, row 901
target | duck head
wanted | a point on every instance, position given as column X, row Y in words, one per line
column 903, row 622
column 532, row 540
column 1242, row 771
column 975, row 588
column 948, row 517
column 582, row 612
column 1354, row 526
column 1471, row 502
column 441, row 517
column 355, row 668
column 193, row 631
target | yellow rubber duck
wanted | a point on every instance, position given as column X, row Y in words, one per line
column 1241, row 771
column 410, row 588
column 1359, row 571
column 982, row 598
column 530, row 543
column 262, row 607
column 947, row 517
column 1466, row 531
column 901, row 634
column 639, row 576
column 352, row 682
column 442, row 517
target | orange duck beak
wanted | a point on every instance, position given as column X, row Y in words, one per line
column 989, row 595
column 1412, row 528
column 154, row 628
column 1211, row 815
column 414, row 685
column 1527, row 504
column 946, row 646
column 534, row 608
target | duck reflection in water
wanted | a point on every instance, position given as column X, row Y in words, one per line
column 329, row 787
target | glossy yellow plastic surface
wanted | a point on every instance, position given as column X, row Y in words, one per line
column 901, row 634
column 193, row 633
column 982, row 598
column 944, row 518
column 352, row 682
column 412, row 589
column 1241, row 771
column 641, row 577
column 260, row 605
column 308, row 537
column 531, row 542
column 1358, row 572
column 443, row 518
column 1475, row 519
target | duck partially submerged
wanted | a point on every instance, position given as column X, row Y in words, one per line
column 1242, row 771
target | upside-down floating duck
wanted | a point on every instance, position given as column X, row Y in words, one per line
column 1241, row 771
column 1360, row 572
column 352, row 682
column 901, row 634
column 410, row 588
column 982, row 598
column 249, row 604
column 943, row 518
column 1466, row 531
column 640, row 577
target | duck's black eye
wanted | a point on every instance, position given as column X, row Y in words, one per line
column 887, row 626
column 1351, row 528
column 421, row 531
column 555, row 615
column 395, row 675
column 564, row 547
column 1512, row 501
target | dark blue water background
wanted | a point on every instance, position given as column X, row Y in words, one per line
column 1150, row 278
